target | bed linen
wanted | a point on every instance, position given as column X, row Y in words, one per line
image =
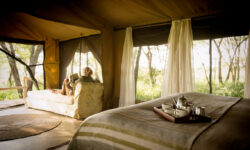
column 139, row 127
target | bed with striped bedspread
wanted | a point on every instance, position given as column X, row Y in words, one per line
column 139, row 127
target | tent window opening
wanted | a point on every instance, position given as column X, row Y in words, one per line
column 17, row 61
column 149, row 68
column 221, row 71
column 82, row 60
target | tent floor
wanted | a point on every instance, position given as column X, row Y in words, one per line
column 10, row 103
column 49, row 139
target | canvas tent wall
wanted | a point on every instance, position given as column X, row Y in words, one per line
column 203, row 28
column 98, row 13
column 61, row 20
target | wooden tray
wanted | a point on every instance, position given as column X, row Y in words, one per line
column 187, row 119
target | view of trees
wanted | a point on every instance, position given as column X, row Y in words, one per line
column 228, row 67
column 17, row 61
column 149, row 65
column 232, row 52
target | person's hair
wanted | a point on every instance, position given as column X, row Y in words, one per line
column 87, row 71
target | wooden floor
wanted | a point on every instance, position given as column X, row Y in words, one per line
column 10, row 103
column 52, row 138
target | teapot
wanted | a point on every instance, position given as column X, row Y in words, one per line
column 182, row 101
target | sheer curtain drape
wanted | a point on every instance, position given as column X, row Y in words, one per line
column 70, row 47
column 178, row 73
column 67, row 52
column 127, row 83
column 247, row 75
column 93, row 44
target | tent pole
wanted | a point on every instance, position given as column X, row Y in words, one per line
column 80, row 64
column 210, row 66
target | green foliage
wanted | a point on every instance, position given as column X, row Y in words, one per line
column 9, row 94
column 22, row 51
column 234, row 89
column 145, row 91
column 201, row 87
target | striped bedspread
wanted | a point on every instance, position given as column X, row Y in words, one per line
column 139, row 127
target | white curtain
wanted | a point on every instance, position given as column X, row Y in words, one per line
column 178, row 73
column 127, row 83
column 247, row 75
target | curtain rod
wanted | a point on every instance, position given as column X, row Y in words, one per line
column 144, row 26
column 81, row 37
column 168, row 22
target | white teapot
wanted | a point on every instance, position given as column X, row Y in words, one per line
column 182, row 101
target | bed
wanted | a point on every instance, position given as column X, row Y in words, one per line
column 139, row 127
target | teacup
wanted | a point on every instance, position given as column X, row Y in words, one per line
column 182, row 101
column 181, row 113
column 200, row 111
column 167, row 108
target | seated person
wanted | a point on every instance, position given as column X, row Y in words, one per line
column 69, row 82
column 87, row 72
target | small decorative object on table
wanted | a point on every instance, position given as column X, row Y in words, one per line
column 182, row 111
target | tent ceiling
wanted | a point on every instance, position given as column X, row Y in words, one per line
column 66, row 19
column 141, row 12
column 55, row 30
column 123, row 13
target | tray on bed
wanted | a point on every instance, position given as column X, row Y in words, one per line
column 186, row 119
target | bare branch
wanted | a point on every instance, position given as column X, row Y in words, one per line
column 23, row 63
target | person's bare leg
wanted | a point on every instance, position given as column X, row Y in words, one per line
column 64, row 87
column 62, row 91
column 56, row 91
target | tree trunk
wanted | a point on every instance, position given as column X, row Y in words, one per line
column 137, row 66
column 25, row 71
column 238, row 67
column 23, row 63
column 231, row 65
column 214, row 71
column 13, row 67
column 229, row 71
column 35, row 51
column 233, row 73
column 149, row 57
column 220, row 58
column 205, row 71
column 9, row 79
column 238, row 42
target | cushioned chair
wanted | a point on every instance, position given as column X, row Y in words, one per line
column 87, row 100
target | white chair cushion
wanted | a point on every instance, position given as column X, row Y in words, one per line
column 47, row 95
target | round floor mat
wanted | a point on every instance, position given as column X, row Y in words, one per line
column 24, row 125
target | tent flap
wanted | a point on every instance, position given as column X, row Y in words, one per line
column 107, row 66
column 51, row 63
column 203, row 28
